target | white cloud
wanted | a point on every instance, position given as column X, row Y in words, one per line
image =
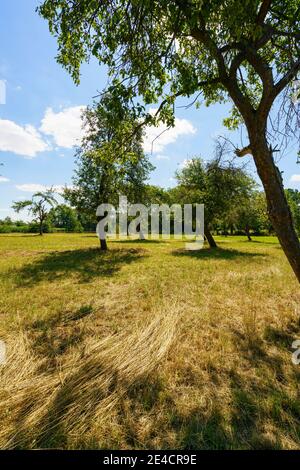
column 33, row 187
column 162, row 157
column 25, row 141
column 157, row 138
column 65, row 126
column 295, row 179
column 3, row 179
column 185, row 163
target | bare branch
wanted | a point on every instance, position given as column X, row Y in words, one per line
column 286, row 78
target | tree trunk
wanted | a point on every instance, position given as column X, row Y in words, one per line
column 103, row 244
column 278, row 208
column 209, row 237
column 248, row 233
column 41, row 228
column 141, row 235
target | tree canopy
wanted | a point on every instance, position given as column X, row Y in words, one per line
column 104, row 170
column 227, row 49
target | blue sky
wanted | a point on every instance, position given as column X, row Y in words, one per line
column 40, row 122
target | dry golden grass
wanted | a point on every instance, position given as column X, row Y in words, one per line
column 148, row 345
column 77, row 396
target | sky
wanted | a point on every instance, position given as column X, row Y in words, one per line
column 40, row 116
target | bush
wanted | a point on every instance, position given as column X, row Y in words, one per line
column 35, row 228
column 14, row 228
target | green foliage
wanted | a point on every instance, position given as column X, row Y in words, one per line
column 223, row 49
column 37, row 206
column 293, row 197
column 219, row 186
column 105, row 169
column 35, row 227
column 12, row 228
column 248, row 212
column 64, row 217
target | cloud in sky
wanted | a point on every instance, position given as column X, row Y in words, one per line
column 157, row 138
column 295, row 179
column 66, row 129
column 64, row 126
column 33, row 188
column 22, row 140
column 3, row 179
column 185, row 163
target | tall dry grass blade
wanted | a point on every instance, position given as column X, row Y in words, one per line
column 35, row 404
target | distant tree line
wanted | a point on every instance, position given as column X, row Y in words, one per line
column 233, row 204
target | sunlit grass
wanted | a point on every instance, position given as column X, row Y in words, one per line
column 225, row 381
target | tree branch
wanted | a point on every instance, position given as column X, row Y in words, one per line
column 264, row 9
column 286, row 78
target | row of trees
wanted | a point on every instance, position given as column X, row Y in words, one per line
column 105, row 169
column 62, row 217
column 233, row 203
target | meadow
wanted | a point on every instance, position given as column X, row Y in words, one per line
column 147, row 346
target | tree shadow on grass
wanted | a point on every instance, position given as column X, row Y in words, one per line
column 261, row 411
column 137, row 240
column 216, row 253
column 239, row 424
column 87, row 264
column 52, row 337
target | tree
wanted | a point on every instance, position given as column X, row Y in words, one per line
column 64, row 217
column 103, row 169
column 246, row 52
column 245, row 215
column 38, row 206
column 293, row 197
column 215, row 184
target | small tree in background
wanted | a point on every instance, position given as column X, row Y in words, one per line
column 245, row 216
column 38, row 206
column 64, row 217
column 215, row 184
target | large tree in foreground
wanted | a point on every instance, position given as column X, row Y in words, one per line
column 246, row 51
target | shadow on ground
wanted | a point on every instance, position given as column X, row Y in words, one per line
column 87, row 264
column 216, row 253
column 52, row 337
column 253, row 409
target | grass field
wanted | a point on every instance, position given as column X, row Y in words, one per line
column 147, row 345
